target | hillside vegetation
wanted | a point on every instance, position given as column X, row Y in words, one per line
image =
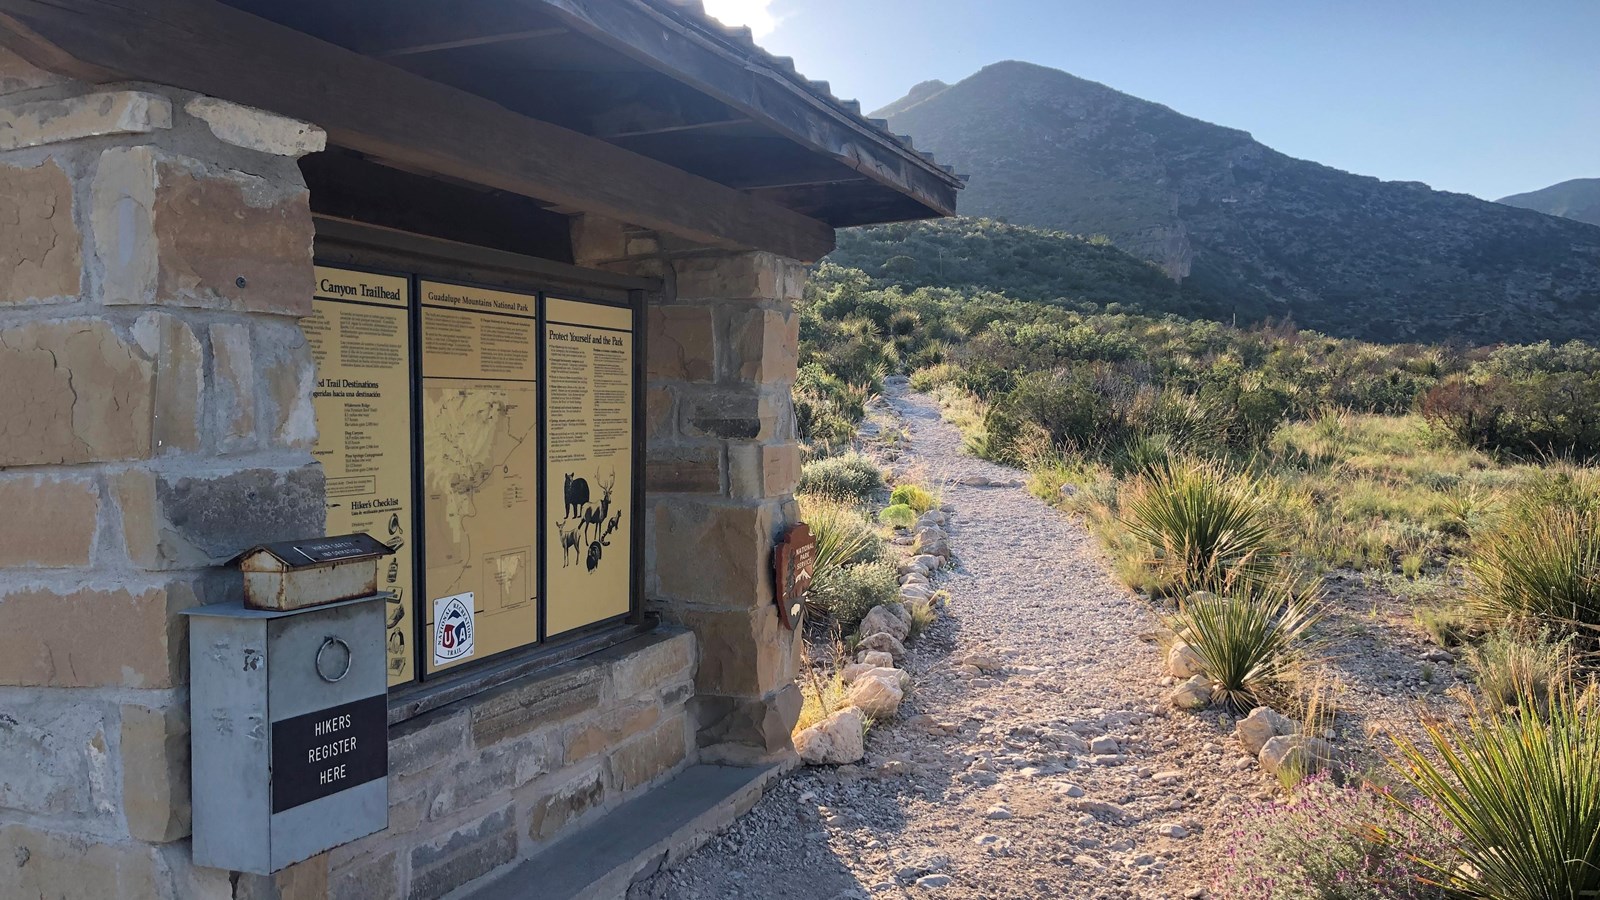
column 1278, row 237
column 1578, row 199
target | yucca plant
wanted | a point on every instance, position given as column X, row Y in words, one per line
column 1524, row 791
column 842, row 533
column 1248, row 640
column 1203, row 527
column 1541, row 564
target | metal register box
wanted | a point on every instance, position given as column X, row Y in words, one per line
column 289, row 731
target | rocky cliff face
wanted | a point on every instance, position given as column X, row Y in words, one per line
column 1342, row 253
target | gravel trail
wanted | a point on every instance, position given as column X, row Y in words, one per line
column 1063, row 774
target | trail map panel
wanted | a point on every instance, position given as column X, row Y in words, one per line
column 589, row 462
column 480, row 451
column 360, row 337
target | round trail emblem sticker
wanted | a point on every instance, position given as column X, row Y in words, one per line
column 453, row 628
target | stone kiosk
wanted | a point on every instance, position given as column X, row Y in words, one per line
column 506, row 284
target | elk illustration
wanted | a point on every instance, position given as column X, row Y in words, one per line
column 569, row 540
column 577, row 496
column 594, row 517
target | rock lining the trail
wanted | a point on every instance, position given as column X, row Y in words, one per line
column 1041, row 659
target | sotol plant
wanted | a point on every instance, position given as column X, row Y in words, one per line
column 1524, row 792
column 1249, row 640
column 1542, row 564
column 1203, row 527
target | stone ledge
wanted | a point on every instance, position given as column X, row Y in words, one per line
column 636, row 839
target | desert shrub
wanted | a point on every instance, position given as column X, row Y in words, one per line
column 1523, row 790
column 1247, row 641
column 846, row 594
column 926, row 379
column 1331, row 843
column 1511, row 668
column 1528, row 413
column 851, row 476
column 1542, row 564
column 1203, row 527
column 898, row 515
column 1447, row 626
column 826, row 407
column 915, row 496
column 842, row 533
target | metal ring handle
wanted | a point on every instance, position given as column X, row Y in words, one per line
column 349, row 658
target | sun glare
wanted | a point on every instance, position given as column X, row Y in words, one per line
column 754, row 13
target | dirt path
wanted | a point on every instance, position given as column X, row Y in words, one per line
column 1065, row 775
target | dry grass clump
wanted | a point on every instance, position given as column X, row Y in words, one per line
column 1511, row 668
column 1542, row 565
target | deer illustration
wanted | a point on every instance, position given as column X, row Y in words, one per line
column 595, row 516
column 577, row 496
column 569, row 540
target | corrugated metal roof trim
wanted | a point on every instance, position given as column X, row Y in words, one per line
column 694, row 12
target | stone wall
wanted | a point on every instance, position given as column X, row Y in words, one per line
column 155, row 419
column 722, row 464
column 482, row 784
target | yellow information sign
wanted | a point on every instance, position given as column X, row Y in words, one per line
column 360, row 339
column 589, row 462
column 480, row 461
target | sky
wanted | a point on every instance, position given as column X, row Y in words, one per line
column 1482, row 98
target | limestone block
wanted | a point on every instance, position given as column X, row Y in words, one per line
column 608, row 729
column 739, row 414
column 1183, row 661
column 469, row 851
column 94, row 636
column 155, row 772
column 763, row 346
column 1262, row 725
column 656, row 666
column 763, row 471
column 648, row 756
column 885, row 643
column 731, row 276
column 169, row 230
column 233, row 387
column 41, row 255
column 660, row 414
column 566, row 802
column 377, row 878
column 743, row 731
column 47, row 864
column 180, row 521
column 520, row 708
column 880, row 619
column 34, row 123
column 257, row 129
column 288, row 375
column 17, row 74
column 75, row 391
column 56, row 760
column 1192, row 694
column 681, row 343
column 48, row 521
column 877, row 693
column 180, row 380
column 742, row 652
column 714, row 554
column 683, row 470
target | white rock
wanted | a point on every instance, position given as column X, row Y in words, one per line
column 877, row 693
column 1172, row 830
column 1183, row 661
column 928, row 563
column 1105, row 743
column 855, row 670
column 916, row 577
column 932, row 517
column 835, row 741
column 888, row 643
column 998, row 812
column 875, row 659
column 1308, row 754
column 915, row 593
column 882, row 619
column 256, row 129
column 933, row 881
column 1192, row 694
column 984, row 662
column 1262, row 725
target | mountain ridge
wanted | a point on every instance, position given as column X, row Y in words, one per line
column 1576, row 198
column 1342, row 253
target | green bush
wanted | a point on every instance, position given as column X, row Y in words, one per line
column 898, row 515
column 1542, row 564
column 1523, row 790
column 1203, row 527
column 851, row 476
column 915, row 496
column 1248, row 641
column 846, row 594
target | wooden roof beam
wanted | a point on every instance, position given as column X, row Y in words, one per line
column 379, row 110
column 481, row 40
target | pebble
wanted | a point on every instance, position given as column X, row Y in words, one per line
column 933, row 881
column 1176, row 832
column 998, row 812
